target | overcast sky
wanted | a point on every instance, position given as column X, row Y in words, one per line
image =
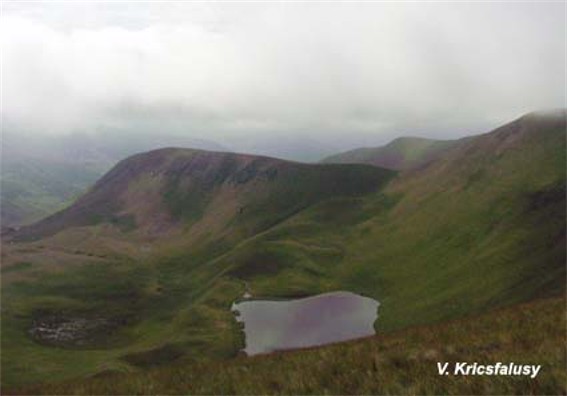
column 312, row 69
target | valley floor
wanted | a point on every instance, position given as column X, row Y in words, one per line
column 404, row 362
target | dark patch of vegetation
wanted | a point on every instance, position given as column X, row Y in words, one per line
column 262, row 262
column 475, row 177
column 19, row 266
column 550, row 195
column 248, row 173
column 154, row 357
column 184, row 202
column 125, row 223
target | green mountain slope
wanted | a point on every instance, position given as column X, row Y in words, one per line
column 209, row 191
column 400, row 154
column 141, row 255
column 483, row 226
column 160, row 247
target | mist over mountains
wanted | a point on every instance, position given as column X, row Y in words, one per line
column 43, row 173
column 185, row 182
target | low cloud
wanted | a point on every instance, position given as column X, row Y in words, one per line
column 226, row 69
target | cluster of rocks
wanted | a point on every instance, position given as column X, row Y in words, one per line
column 61, row 330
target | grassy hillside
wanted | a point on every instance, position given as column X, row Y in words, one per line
column 404, row 362
column 400, row 154
column 484, row 226
column 154, row 255
column 141, row 256
column 186, row 188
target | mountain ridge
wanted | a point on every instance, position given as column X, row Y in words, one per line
column 186, row 180
column 400, row 154
column 479, row 228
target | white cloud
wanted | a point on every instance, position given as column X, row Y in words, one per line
column 227, row 68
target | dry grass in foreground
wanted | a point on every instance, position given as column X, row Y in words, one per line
column 399, row 363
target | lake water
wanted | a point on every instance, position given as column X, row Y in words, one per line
column 331, row 317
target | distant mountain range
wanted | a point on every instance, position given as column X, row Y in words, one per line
column 153, row 255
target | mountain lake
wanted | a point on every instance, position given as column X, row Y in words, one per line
column 271, row 325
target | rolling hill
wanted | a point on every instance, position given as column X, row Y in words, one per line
column 155, row 253
column 208, row 192
column 400, row 154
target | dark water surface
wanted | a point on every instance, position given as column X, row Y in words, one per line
column 317, row 320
